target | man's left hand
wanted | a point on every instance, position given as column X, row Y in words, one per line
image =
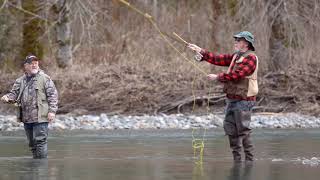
column 5, row 99
column 212, row 77
column 51, row 116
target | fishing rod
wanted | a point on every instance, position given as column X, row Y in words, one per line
column 163, row 35
column 180, row 39
column 197, row 144
column 198, row 55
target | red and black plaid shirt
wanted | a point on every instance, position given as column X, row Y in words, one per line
column 245, row 68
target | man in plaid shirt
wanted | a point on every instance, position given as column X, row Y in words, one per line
column 241, row 87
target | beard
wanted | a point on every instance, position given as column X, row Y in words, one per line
column 34, row 71
column 236, row 51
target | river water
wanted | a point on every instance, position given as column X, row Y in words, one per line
column 161, row 154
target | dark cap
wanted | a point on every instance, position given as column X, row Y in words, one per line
column 30, row 58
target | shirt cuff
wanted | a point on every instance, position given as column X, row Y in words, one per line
column 203, row 52
column 221, row 77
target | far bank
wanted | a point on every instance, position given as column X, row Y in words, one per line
column 163, row 121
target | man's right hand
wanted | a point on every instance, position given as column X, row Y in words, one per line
column 51, row 116
column 5, row 99
column 194, row 47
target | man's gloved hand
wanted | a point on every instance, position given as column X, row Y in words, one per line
column 5, row 99
column 194, row 47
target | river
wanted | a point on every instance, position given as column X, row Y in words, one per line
column 280, row 154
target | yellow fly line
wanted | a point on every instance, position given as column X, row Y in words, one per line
column 150, row 19
column 198, row 146
column 197, row 143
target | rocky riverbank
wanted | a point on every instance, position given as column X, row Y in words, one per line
column 176, row 121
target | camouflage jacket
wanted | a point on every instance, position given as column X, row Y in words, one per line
column 37, row 95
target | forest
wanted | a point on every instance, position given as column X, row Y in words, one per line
column 105, row 57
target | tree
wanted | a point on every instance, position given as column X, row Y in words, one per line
column 63, row 33
column 216, row 12
column 115, row 10
column 278, row 45
column 33, row 28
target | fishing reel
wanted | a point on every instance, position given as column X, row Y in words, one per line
column 198, row 57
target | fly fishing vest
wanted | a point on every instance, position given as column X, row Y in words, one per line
column 247, row 86
column 42, row 102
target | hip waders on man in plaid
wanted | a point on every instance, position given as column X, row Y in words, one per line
column 237, row 127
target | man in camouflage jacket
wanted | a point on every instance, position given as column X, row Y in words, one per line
column 37, row 100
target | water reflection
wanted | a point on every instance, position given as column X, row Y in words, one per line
column 197, row 173
column 142, row 157
column 35, row 169
column 240, row 171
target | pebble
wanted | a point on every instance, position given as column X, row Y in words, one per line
column 162, row 121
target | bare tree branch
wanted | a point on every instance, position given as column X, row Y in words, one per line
column 3, row 4
column 27, row 12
